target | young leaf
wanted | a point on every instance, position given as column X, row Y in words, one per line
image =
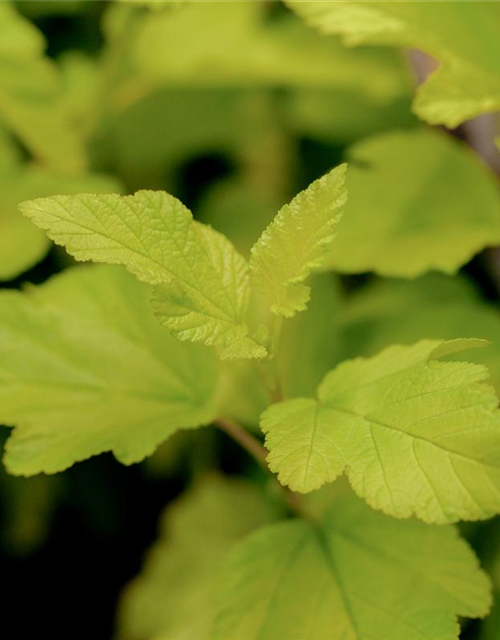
column 414, row 435
column 461, row 35
column 175, row 594
column 85, row 368
column 296, row 243
column 31, row 95
column 203, row 284
column 403, row 219
column 356, row 575
column 21, row 244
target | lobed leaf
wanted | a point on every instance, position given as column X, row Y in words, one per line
column 356, row 575
column 413, row 434
column 21, row 244
column 203, row 287
column 85, row 368
column 296, row 243
column 174, row 596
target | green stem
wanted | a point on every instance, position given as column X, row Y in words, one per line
column 245, row 439
column 257, row 450
column 268, row 370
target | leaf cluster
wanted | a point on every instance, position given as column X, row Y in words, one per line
column 237, row 304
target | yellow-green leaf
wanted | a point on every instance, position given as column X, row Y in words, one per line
column 404, row 216
column 414, row 434
column 203, row 287
column 85, row 368
column 296, row 243
column 355, row 575
column 175, row 594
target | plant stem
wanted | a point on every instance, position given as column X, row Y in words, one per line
column 268, row 369
column 259, row 453
column 245, row 439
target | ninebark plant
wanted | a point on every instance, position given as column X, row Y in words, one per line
column 175, row 329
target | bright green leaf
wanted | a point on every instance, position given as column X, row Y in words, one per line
column 462, row 36
column 21, row 244
column 356, row 575
column 296, row 243
column 203, row 288
column 403, row 218
column 175, row 595
column 210, row 302
column 413, row 434
column 31, row 95
column 85, row 368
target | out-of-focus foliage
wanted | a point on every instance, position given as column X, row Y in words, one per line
column 31, row 96
column 311, row 342
column 176, row 593
column 170, row 70
column 403, row 219
column 28, row 507
column 22, row 244
column 441, row 308
column 468, row 81
column 35, row 9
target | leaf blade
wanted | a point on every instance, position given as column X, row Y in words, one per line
column 175, row 593
column 295, row 244
column 351, row 569
column 99, row 373
column 201, row 278
column 402, row 219
column 413, row 434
